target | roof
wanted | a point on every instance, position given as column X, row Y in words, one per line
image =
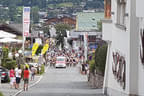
column 88, row 21
column 12, row 28
column 76, row 34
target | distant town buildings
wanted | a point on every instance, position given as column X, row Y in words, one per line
column 61, row 20
column 88, row 21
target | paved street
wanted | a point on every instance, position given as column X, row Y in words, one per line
column 62, row 82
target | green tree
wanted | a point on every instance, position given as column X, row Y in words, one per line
column 99, row 25
column 46, row 30
column 34, row 14
column 12, row 12
column 61, row 33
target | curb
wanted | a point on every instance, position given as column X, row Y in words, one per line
column 17, row 93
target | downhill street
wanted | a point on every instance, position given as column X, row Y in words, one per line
column 62, row 82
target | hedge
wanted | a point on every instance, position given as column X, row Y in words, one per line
column 42, row 69
column 97, row 64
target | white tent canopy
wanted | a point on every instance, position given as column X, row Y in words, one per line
column 4, row 34
column 10, row 40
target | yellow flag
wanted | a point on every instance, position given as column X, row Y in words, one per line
column 45, row 48
column 34, row 49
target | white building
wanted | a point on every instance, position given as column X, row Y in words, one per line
column 124, row 73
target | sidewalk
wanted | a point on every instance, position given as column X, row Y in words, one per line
column 7, row 91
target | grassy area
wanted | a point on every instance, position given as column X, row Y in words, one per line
column 69, row 4
column 1, row 94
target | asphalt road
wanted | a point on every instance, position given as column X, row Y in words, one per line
column 62, row 82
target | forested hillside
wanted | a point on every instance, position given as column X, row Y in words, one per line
column 11, row 10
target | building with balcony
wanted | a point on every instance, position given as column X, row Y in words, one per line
column 124, row 65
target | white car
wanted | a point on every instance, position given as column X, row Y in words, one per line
column 60, row 62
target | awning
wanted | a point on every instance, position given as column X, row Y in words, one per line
column 4, row 34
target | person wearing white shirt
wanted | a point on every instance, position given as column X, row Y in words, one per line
column 18, row 72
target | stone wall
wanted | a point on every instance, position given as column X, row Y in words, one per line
column 95, row 80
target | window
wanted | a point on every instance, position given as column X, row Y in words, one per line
column 121, row 7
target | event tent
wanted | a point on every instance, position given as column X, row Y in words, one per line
column 4, row 34
column 10, row 40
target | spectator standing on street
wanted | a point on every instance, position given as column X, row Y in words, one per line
column 33, row 71
column 12, row 78
column 18, row 72
column 26, row 79
column 83, row 68
column 86, row 67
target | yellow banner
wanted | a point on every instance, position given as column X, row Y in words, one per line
column 45, row 48
column 34, row 49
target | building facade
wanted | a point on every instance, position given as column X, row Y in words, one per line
column 124, row 65
column 63, row 20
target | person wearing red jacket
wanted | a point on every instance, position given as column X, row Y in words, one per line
column 12, row 78
column 26, row 79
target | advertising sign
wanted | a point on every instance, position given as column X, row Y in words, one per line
column 34, row 48
column 26, row 21
column 45, row 48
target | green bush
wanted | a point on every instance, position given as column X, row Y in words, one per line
column 8, row 63
column 97, row 64
column 5, row 52
column 1, row 94
column 42, row 69
column 100, row 59
column 92, row 65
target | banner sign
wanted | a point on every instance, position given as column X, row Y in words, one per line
column 45, row 48
column 26, row 21
column 34, row 48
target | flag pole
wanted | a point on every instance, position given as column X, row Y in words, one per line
column 23, row 32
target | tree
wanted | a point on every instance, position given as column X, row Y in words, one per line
column 99, row 25
column 34, row 14
column 46, row 30
column 61, row 33
column 12, row 12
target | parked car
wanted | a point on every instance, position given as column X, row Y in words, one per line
column 4, row 74
column 60, row 62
